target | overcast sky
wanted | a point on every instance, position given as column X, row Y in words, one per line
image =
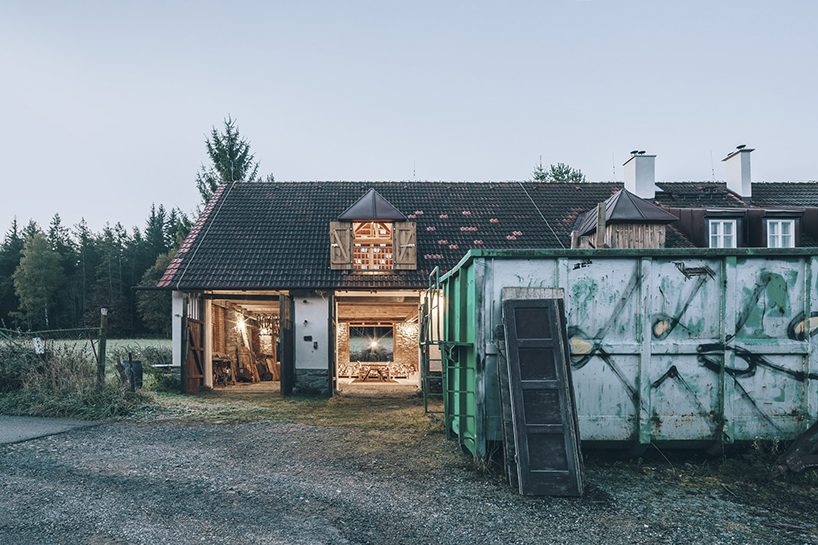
column 105, row 105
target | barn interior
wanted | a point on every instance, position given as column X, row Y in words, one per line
column 377, row 339
column 245, row 346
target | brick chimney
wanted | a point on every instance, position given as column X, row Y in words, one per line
column 738, row 171
column 640, row 174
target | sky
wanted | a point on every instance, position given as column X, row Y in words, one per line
column 105, row 106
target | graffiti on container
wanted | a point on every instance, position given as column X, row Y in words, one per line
column 585, row 347
column 802, row 327
column 710, row 355
column 663, row 325
column 692, row 272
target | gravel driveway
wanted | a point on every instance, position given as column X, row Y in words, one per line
column 181, row 479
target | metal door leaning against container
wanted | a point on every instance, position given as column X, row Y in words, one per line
column 543, row 412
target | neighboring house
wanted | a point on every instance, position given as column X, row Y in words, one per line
column 326, row 277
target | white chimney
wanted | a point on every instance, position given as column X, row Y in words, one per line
column 738, row 171
column 640, row 174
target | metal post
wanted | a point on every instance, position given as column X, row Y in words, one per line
column 103, row 335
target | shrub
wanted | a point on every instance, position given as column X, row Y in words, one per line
column 156, row 378
column 63, row 383
column 15, row 362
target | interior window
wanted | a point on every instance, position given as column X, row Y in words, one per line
column 722, row 233
column 372, row 246
column 371, row 344
column 781, row 233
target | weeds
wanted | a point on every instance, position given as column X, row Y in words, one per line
column 61, row 382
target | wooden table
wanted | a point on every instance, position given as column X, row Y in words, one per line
column 381, row 369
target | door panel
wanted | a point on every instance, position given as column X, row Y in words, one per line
column 545, row 431
column 287, row 345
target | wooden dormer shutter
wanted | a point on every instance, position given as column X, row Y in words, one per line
column 405, row 246
column 340, row 245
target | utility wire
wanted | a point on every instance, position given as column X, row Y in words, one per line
column 541, row 215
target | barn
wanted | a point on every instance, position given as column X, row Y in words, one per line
column 317, row 287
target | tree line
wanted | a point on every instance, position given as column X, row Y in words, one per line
column 58, row 277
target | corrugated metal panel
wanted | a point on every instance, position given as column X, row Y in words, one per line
column 665, row 347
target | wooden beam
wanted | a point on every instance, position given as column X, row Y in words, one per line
column 599, row 241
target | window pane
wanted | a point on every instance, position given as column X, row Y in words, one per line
column 772, row 228
column 786, row 227
column 728, row 241
column 728, row 228
column 714, row 241
column 787, row 241
column 714, row 228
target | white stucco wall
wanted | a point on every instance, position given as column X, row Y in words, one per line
column 177, row 300
column 311, row 319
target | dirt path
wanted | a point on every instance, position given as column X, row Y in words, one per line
column 363, row 470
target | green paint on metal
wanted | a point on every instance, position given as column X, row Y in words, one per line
column 738, row 319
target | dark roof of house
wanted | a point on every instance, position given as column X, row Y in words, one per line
column 275, row 235
column 697, row 195
column 624, row 207
column 372, row 206
column 786, row 194
column 716, row 195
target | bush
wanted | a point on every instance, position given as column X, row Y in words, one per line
column 63, row 383
column 156, row 378
column 15, row 362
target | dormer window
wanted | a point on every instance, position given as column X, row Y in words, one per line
column 373, row 237
column 781, row 233
column 372, row 246
column 722, row 233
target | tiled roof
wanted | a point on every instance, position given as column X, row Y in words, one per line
column 275, row 235
column 697, row 195
column 798, row 194
column 624, row 207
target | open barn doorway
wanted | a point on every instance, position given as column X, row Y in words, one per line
column 244, row 342
column 377, row 341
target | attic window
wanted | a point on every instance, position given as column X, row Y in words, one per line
column 372, row 246
column 372, row 236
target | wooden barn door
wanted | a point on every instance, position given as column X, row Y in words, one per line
column 287, row 345
column 194, row 364
column 332, row 353
column 546, row 434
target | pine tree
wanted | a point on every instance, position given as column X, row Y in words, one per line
column 37, row 280
column 230, row 160
column 559, row 172
column 154, row 307
column 65, row 311
column 10, row 255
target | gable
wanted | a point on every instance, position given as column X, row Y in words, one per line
column 372, row 206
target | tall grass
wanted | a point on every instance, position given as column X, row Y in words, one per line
column 61, row 382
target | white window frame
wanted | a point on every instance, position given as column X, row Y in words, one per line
column 776, row 238
column 716, row 235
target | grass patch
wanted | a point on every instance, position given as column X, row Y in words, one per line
column 62, row 383
column 393, row 412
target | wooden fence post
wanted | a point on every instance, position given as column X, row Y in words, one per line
column 103, row 335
